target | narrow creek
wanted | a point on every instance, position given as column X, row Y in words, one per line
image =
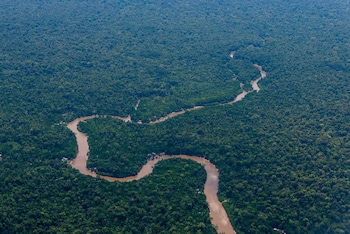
column 219, row 217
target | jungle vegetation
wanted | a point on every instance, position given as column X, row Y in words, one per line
column 283, row 153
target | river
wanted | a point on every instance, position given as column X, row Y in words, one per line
column 217, row 211
column 219, row 217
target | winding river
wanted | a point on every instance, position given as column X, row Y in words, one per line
column 218, row 214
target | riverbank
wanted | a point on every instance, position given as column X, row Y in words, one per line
column 219, row 217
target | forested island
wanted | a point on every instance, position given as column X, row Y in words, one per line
column 283, row 153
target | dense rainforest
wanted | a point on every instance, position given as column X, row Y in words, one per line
column 283, row 153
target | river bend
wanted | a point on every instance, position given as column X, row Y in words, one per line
column 219, row 217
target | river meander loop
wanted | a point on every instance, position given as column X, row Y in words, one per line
column 218, row 215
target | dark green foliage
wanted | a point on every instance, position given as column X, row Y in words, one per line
column 50, row 197
column 283, row 153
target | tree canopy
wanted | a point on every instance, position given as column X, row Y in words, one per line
column 283, row 152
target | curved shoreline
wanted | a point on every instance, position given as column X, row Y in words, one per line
column 219, row 217
column 238, row 98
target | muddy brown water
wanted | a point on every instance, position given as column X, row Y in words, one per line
column 218, row 215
